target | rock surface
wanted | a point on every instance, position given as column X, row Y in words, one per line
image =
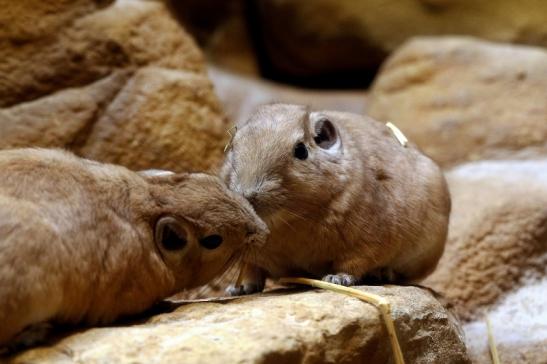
column 495, row 260
column 98, row 79
column 461, row 99
column 241, row 95
column 519, row 326
column 221, row 30
column 277, row 327
column 161, row 118
column 307, row 39
column 497, row 237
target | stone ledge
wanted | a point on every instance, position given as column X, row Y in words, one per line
column 282, row 326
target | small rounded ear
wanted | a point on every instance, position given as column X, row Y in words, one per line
column 325, row 134
column 170, row 235
column 155, row 173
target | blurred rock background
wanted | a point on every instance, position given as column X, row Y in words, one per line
column 156, row 84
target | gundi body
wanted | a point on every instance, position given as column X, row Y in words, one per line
column 341, row 196
column 82, row 241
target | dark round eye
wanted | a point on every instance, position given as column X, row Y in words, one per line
column 300, row 151
column 211, row 241
column 171, row 240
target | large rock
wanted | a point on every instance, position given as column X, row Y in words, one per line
column 97, row 79
column 241, row 95
column 160, row 118
column 346, row 40
column 26, row 20
column 497, row 237
column 519, row 326
column 58, row 120
column 495, row 260
column 461, row 99
column 221, row 30
column 306, row 327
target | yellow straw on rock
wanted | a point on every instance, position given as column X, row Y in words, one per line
column 380, row 302
column 492, row 343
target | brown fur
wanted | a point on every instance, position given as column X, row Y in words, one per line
column 366, row 205
column 77, row 237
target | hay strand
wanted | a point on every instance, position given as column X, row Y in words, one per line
column 378, row 301
column 492, row 343
column 398, row 134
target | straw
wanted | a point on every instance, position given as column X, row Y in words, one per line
column 378, row 301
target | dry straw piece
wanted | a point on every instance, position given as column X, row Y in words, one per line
column 491, row 343
column 380, row 302
column 398, row 133
column 231, row 132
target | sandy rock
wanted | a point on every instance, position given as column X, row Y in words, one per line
column 160, row 118
column 519, row 327
column 90, row 47
column 60, row 119
column 241, row 95
column 344, row 39
column 495, row 262
column 305, row 327
column 81, row 67
column 26, row 20
column 461, row 99
column 221, row 30
column 497, row 238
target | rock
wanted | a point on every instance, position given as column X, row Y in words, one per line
column 277, row 327
column 461, row 99
column 59, row 119
column 96, row 78
column 221, row 29
column 89, row 47
column 241, row 95
column 518, row 326
column 495, row 261
column 28, row 20
column 344, row 41
column 161, row 117
column 497, row 237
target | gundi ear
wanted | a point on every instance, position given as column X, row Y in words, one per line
column 170, row 235
column 325, row 133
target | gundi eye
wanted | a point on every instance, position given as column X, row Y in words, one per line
column 173, row 240
column 172, row 236
column 300, row 151
column 211, row 241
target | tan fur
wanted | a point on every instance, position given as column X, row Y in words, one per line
column 77, row 237
column 369, row 205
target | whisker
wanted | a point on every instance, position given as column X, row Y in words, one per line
column 234, row 272
column 286, row 223
column 295, row 214
column 226, row 269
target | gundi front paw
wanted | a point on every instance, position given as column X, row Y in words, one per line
column 342, row 279
column 244, row 289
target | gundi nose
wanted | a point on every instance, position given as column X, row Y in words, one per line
column 249, row 191
column 251, row 196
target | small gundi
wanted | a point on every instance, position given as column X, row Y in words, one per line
column 344, row 198
column 87, row 242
